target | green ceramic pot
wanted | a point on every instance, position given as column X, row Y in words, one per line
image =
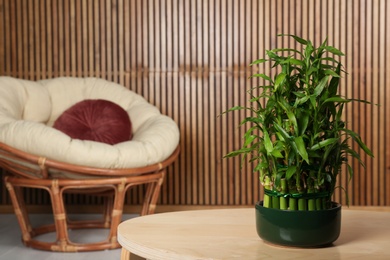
column 298, row 228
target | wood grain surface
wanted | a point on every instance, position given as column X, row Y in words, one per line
column 231, row 234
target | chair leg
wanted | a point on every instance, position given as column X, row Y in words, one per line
column 108, row 208
column 117, row 212
column 151, row 196
column 17, row 200
column 60, row 219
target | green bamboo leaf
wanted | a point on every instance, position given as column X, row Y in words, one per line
column 249, row 139
column 293, row 119
column 331, row 73
column 273, row 55
column 334, row 82
column 255, row 120
column 255, row 99
column 358, row 140
column 327, row 67
column 279, row 79
column 300, row 144
column 289, row 113
column 331, row 107
column 300, row 101
column 282, row 132
column 292, row 157
column 334, row 50
column 320, row 87
column 291, row 170
column 308, row 52
column 261, row 166
column 249, row 131
column 326, row 154
column 303, row 122
column 355, row 155
column 280, row 137
column 360, row 100
column 324, row 143
column 293, row 61
column 350, row 171
column 330, row 59
column 260, row 75
column 298, row 39
column 259, row 61
column 238, row 152
column 235, row 108
column 253, row 159
column 340, row 112
column 338, row 100
column 267, row 142
column 276, row 153
column 299, row 94
column 313, row 101
column 297, row 62
column 312, row 70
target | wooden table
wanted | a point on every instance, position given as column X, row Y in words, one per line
column 231, row 234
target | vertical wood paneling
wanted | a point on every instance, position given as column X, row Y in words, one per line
column 387, row 108
column 190, row 59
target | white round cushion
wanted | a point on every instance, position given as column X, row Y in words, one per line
column 28, row 110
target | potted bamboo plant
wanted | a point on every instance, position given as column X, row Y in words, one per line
column 298, row 142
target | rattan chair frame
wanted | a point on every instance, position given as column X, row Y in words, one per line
column 24, row 170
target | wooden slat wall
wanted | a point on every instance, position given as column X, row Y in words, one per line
column 190, row 59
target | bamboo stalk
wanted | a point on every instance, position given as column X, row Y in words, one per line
column 275, row 202
column 302, row 204
column 283, row 200
column 283, row 203
column 311, row 204
column 267, row 200
column 319, row 204
column 293, row 204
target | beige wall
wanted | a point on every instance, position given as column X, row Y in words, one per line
column 190, row 58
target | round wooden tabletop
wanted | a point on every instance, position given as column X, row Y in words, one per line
column 231, row 234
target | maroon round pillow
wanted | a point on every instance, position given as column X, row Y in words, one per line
column 95, row 120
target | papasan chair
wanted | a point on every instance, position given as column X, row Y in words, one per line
column 83, row 136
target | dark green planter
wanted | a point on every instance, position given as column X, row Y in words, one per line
column 298, row 228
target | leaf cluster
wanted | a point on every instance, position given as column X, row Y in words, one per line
column 299, row 134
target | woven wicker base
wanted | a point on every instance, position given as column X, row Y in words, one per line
column 110, row 183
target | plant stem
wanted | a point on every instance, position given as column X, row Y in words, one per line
column 292, row 204
column 283, row 200
column 283, row 203
column 319, row 204
column 267, row 200
column 311, row 204
column 275, row 202
column 302, row 205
